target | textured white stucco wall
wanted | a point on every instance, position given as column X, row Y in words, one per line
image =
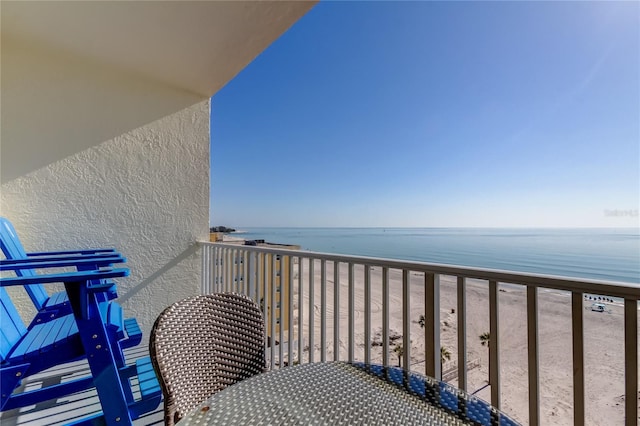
column 55, row 104
column 145, row 193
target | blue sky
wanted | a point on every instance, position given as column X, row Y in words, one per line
column 501, row 114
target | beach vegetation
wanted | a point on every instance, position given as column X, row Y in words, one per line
column 484, row 338
column 222, row 229
column 445, row 355
column 399, row 351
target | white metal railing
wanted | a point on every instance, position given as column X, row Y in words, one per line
column 289, row 283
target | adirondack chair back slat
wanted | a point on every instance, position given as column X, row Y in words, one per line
column 12, row 249
column 12, row 327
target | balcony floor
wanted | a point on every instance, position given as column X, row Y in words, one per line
column 73, row 407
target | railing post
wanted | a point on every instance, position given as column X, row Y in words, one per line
column 251, row 283
column 221, row 269
column 462, row 333
column 631, row 361
column 272, row 309
column 323, row 310
column 577, row 333
column 432, row 325
column 351, row 313
column 494, row 345
column 236, row 280
column 204, row 272
column 406, row 320
column 245, row 272
column 385, row 316
column 289, row 312
column 280, row 309
column 260, row 278
column 311, row 310
column 336, row 311
column 300, row 309
column 228, row 269
column 218, row 271
column 263, row 271
column 532, row 355
column 367, row 314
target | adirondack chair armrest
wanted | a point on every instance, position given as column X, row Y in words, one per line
column 52, row 258
column 77, row 286
column 66, row 277
column 71, row 252
column 102, row 286
column 93, row 263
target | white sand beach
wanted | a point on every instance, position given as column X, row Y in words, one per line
column 604, row 341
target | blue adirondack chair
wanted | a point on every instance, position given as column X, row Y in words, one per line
column 56, row 305
column 92, row 331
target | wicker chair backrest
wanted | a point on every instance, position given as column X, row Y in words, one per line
column 201, row 345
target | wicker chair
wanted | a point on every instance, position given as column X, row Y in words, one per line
column 201, row 345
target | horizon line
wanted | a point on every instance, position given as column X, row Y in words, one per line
column 432, row 227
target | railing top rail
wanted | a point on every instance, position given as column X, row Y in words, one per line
column 609, row 288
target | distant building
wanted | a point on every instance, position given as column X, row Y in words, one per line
column 279, row 280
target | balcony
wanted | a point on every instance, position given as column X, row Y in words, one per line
column 549, row 364
column 384, row 311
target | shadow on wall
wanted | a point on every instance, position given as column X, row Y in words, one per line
column 187, row 253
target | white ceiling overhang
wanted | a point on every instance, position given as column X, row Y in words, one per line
column 187, row 48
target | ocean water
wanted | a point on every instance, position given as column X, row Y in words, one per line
column 603, row 254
